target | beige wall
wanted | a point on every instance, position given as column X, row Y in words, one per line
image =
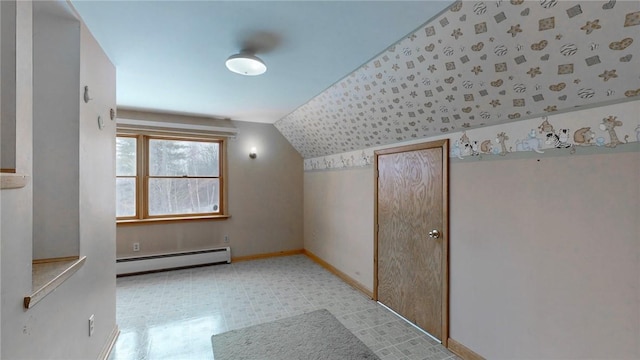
column 338, row 220
column 545, row 257
column 544, row 254
column 544, row 247
column 57, row 326
column 264, row 200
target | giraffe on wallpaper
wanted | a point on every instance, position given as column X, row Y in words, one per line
column 501, row 139
column 609, row 124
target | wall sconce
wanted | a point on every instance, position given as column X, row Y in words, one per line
column 252, row 153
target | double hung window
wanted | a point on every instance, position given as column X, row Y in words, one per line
column 168, row 177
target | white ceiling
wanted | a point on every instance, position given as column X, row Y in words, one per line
column 170, row 55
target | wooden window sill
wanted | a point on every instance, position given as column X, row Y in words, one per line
column 13, row 180
column 48, row 274
column 170, row 219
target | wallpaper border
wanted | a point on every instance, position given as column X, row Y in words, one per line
column 601, row 130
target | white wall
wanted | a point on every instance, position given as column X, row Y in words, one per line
column 56, row 60
column 544, row 247
column 15, row 223
column 8, row 70
column 57, row 327
column 1, row 52
column 16, row 204
column 96, row 285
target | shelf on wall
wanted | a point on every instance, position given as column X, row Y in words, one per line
column 48, row 274
column 9, row 180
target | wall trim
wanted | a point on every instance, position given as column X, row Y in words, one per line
column 463, row 351
column 111, row 342
column 266, row 255
column 346, row 278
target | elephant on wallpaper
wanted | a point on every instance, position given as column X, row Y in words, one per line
column 530, row 144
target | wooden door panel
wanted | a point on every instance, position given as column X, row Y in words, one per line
column 394, row 284
column 427, row 251
column 409, row 267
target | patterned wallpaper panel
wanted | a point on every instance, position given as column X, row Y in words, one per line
column 605, row 129
column 479, row 63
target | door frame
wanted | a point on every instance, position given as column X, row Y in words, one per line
column 444, row 145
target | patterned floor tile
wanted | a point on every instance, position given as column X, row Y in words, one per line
column 172, row 315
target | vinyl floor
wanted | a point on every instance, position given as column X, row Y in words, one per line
column 173, row 314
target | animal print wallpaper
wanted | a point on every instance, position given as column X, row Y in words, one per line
column 479, row 63
column 604, row 129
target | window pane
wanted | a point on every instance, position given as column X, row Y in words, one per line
column 183, row 196
column 179, row 158
column 125, row 197
column 126, row 156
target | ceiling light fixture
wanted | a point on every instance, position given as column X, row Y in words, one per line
column 246, row 64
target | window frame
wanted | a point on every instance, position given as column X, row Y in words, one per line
column 136, row 178
column 143, row 175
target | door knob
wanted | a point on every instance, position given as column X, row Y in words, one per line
column 434, row 234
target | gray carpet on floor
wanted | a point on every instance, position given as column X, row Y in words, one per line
column 317, row 335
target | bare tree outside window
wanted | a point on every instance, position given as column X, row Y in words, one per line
column 181, row 177
column 126, row 176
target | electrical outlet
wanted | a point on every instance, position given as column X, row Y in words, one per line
column 136, row 246
column 226, row 239
column 91, row 318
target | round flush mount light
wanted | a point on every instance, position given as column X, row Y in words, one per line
column 246, row 64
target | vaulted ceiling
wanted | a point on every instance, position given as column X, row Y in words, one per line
column 479, row 63
column 349, row 75
column 170, row 55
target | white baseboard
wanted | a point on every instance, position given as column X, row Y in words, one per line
column 111, row 342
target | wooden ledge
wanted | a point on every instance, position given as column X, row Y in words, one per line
column 267, row 255
column 12, row 180
column 48, row 274
column 462, row 351
column 346, row 278
column 170, row 219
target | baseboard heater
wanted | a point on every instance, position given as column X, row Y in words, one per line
column 141, row 264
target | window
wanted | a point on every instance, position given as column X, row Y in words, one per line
column 126, row 176
column 160, row 178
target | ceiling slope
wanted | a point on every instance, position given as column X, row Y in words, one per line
column 170, row 55
column 478, row 63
